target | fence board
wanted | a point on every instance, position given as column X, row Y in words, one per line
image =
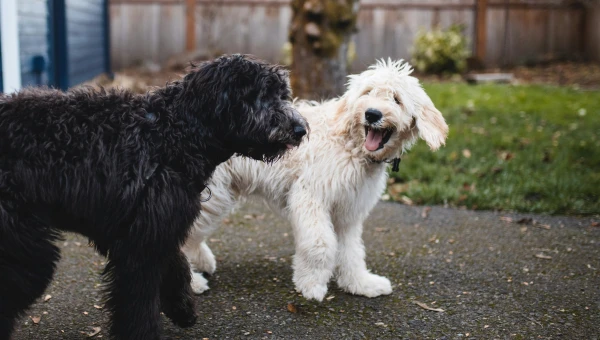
column 592, row 33
column 155, row 29
column 147, row 31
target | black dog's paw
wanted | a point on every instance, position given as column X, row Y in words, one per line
column 183, row 317
column 185, row 321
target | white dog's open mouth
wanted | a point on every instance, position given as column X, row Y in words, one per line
column 375, row 139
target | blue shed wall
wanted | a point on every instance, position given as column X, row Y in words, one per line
column 73, row 42
column 85, row 39
column 33, row 38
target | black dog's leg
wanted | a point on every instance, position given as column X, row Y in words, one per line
column 175, row 292
column 6, row 327
column 133, row 293
column 27, row 262
column 148, row 258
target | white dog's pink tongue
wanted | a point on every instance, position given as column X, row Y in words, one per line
column 373, row 140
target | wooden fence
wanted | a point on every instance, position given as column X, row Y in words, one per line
column 500, row 32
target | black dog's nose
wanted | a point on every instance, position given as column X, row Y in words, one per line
column 373, row 115
column 299, row 131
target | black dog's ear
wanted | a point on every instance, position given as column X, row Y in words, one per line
column 212, row 85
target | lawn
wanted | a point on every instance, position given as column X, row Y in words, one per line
column 520, row 148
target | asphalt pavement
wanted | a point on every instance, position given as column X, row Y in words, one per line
column 457, row 274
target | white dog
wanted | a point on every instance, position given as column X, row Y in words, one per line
column 327, row 187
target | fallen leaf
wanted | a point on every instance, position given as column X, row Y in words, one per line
column 95, row 330
column 425, row 212
column 226, row 221
column 542, row 226
column 47, row 297
column 506, row 219
column 77, row 244
column 466, row 153
column 542, row 256
column 525, row 220
column 248, row 217
column 36, row 319
column 595, row 224
column 329, row 298
column 234, row 307
column 381, row 324
column 382, row 230
column 468, row 187
column 506, row 156
column 398, row 188
column 497, row 170
column 424, row 306
column 292, row 308
column 85, row 313
column 406, row 200
column 97, row 307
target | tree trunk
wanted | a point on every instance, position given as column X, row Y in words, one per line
column 320, row 34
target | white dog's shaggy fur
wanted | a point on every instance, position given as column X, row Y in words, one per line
column 327, row 187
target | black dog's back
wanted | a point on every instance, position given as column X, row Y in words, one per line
column 59, row 148
column 49, row 126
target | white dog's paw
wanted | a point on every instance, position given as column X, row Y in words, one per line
column 313, row 291
column 205, row 260
column 199, row 283
column 369, row 285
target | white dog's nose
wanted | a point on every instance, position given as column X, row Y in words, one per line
column 373, row 115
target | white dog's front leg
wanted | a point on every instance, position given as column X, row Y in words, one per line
column 201, row 259
column 352, row 273
column 316, row 246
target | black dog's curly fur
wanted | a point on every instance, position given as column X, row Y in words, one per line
column 126, row 171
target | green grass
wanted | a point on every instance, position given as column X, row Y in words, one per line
column 520, row 148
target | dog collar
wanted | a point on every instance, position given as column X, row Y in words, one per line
column 395, row 162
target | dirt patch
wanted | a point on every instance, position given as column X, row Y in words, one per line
column 585, row 75
column 581, row 75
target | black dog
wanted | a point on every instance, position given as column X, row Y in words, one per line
column 126, row 171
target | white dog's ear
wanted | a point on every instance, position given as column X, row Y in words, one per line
column 432, row 126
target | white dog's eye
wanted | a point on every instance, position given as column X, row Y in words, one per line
column 397, row 100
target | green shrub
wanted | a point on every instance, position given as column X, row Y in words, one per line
column 440, row 51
